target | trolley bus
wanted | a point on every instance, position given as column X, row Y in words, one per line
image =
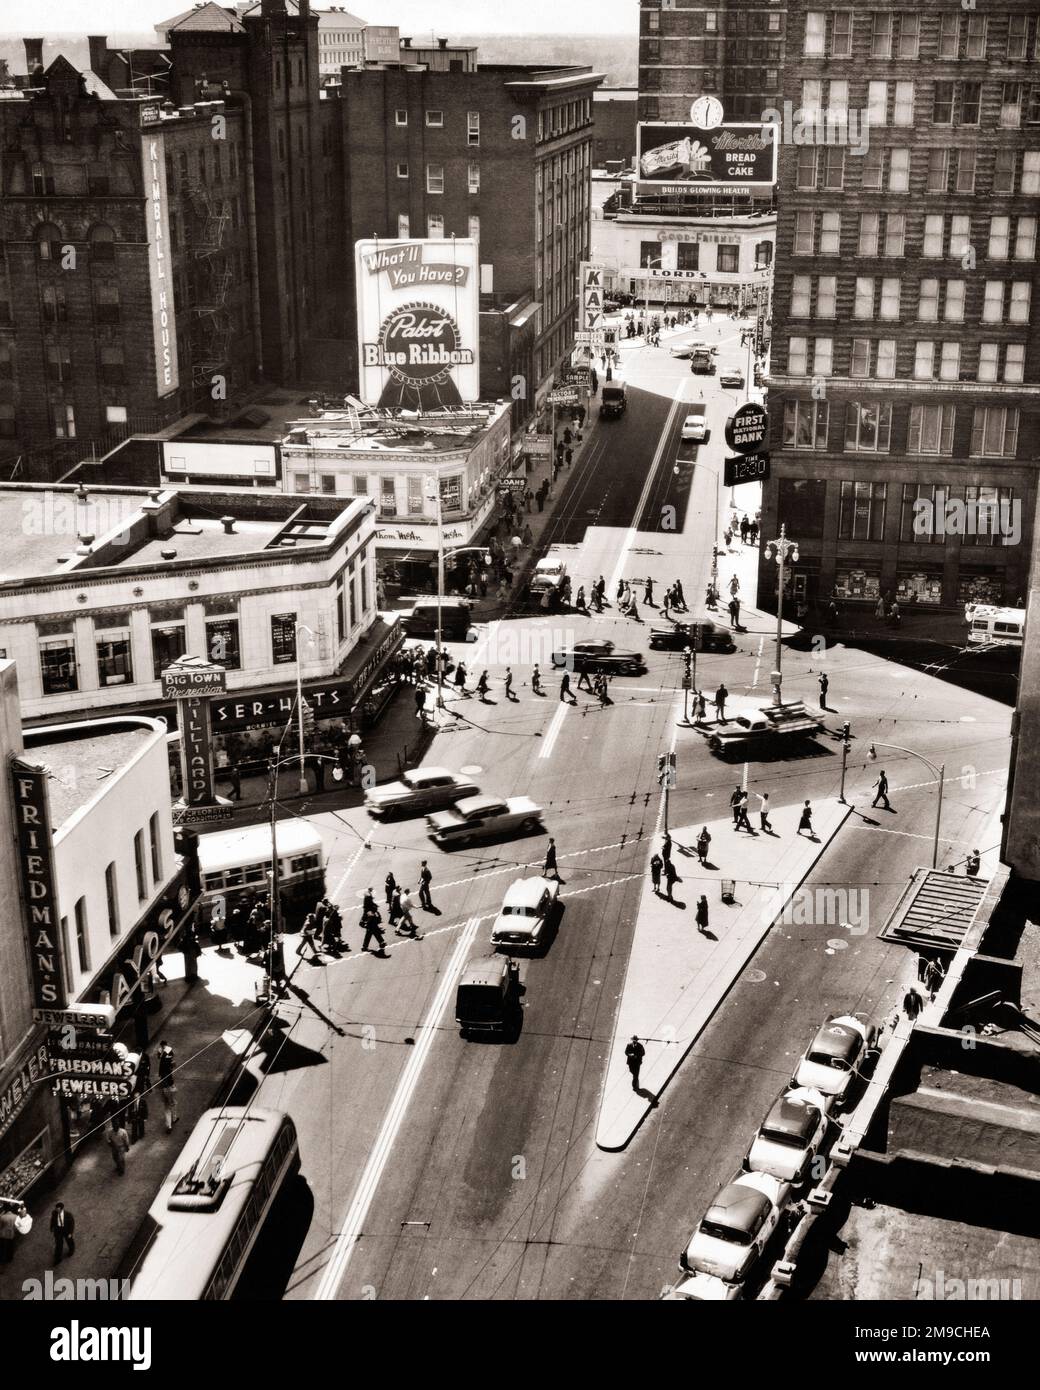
column 200, row 1229
column 232, row 862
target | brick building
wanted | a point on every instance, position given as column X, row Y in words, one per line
column 905, row 359
column 501, row 153
column 731, row 51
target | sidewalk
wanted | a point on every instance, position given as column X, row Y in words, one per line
column 208, row 1024
column 676, row 976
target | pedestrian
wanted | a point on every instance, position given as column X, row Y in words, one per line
column 734, row 612
column 549, row 867
column 407, row 927
column 420, row 703
column 8, row 1232
column 824, row 683
column 460, row 680
column 666, row 848
column 721, row 696
column 332, row 930
column 63, row 1229
column 805, row 821
column 509, row 684
column 631, row 611
column 536, row 681
column 743, row 530
column 370, row 923
column 879, row 610
column 734, row 804
column 912, row 1003
column 565, row 689
column 235, row 778
column 308, row 935
column 666, row 603
column 389, row 887
column 972, row 863
column 727, row 536
column 648, row 593
column 656, row 865
column 893, row 615
column 583, row 678
column 933, row 977
column 167, row 1085
column 579, row 602
column 881, row 791
column 763, row 813
column 119, row 1143
column 742, row 814
column 394, row 907
column 703, row 845
column 700, row 709
column 702, row 914
column 482, row 687
column 680, row 599
column 602, row 689
column 634, row 1054
column 528, row 500
column 567, row 455
column 671, row 877
column 734, row 586
column 425, row 879
column 540, row 498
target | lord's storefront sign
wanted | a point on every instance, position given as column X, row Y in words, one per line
column 40, row 911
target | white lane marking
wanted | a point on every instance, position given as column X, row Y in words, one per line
column 350, row 866
column 552, row 733
column 633, row 529
column 350, row 1231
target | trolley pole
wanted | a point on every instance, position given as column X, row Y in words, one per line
column 845, row 735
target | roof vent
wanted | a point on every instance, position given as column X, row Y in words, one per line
column 168, row 552
column 154, row 494
column 228, row 523
column 84, row 545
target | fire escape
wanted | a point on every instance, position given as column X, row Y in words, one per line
column 211, row 281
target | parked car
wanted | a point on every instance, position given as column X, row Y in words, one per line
column 733, row 377
column 790, row 1136
column 483, row 818
column 835, row 1056
column 529, row 909
column 420, row 790
column 703, row 1288
column 687, row 350
column 694, row 426
column 736, row 1228
column 597, row 654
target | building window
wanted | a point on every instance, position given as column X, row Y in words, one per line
column 102, row 244
column 82, row 935
column 473, row 178
column 869, row 228
column 728, row 259
column 113, row 368
column 834, row 167
column 360, row 485
column 942, row 103
column 975, row 46
column 823, row 356
column 106, row 303
column 798, row 356
column 881, row 36
column 222, row 642
column 402, row 170
column 861, row 515
column 898, row 170
column 868, row 426
column 938, row 171
column 1025, row 239
column 435, row 227
column 168, row 646
column 112, row 897
column 930, row 429
column 805, row 424
column 328, row 484
column 965, row 180
column 139, row 865
column 994, row 432
column 403, row 225
column 863, row 304
column 473, row 128
column 826, row 296
column 114, row 659
column 763, row 255
column 435, row 118
column 909, row 35
column 387, row 497
column 873, row 165
column 400, row 116
column 59, row 362
column 841, row 33
column 830, row 234
column 924, row 361
column 301, row 482
column 435, row 178
column 58, row 663
column 903, row 108
column 953, row 306
column 815, row 34
column 474, row 227
column 800, row 291
column 155, row 843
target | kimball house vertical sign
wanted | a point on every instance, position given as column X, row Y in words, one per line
column 160, row 265
column 39, row 890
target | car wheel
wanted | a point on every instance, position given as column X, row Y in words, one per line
column 715, row 743
column 464, row 842
column 529, row 825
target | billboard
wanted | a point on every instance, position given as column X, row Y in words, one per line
column 160, row 263
column 591, row 306
column 418, row 311
column 674, row 157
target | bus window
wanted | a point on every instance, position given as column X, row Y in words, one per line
column 304, row 863
column 213, row 881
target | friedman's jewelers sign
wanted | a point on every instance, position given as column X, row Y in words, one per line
column 418, row 322
column 39, row 888
column 160, row 267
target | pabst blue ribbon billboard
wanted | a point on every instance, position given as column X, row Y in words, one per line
column 418, row 304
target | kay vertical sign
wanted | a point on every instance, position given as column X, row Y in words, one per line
column 39, row 889
column 160, row 263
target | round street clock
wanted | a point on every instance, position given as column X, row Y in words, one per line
column 706, row 113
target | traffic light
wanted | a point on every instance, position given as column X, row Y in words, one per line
column 846, row 731
column 662, row 766
column 308, row 718
column 688, row 662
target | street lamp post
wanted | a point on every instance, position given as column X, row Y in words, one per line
column 781, row 548
column 433, row 493
column 939, row 772
column 297, row 629
column 652, row 260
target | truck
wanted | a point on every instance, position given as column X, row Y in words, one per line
column 613, row 399
column 703, row 362
column 763, row 727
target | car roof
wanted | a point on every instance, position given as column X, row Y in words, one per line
column 738, row 1205
column 525, row 892
column 428, row 772
column 479, row 803
column 796, row 1119
column 487, row 970
column 837, row 1039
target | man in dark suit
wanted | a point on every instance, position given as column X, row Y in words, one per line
column 63, row 1229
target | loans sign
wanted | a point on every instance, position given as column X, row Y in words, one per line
column 418, row 305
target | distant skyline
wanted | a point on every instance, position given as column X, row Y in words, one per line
column 414, row 17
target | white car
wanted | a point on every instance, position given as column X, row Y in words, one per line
column 693, row 427
column 790, row 1136
column 528, row 908
column 703, row 1288
column 736, row 1228
column 484, row 818
column 835, row 1056
column 419, row 791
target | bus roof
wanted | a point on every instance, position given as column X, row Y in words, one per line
column 249, row 844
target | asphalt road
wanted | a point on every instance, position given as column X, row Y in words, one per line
column 441, row 1168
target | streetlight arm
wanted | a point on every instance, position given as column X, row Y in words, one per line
column 895, row 748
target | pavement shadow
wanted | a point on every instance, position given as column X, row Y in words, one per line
column 648, row 1096
column 269, row 1268
column 674, row 902
column 709, row 934
column 279, row 1053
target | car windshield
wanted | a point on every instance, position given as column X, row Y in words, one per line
column 518, row 910
column 823, row 1059
column 726, row 1233
column 778, row 1136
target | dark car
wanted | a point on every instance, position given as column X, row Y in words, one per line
column 598, row 655
column 709, row 638
column 732, row 378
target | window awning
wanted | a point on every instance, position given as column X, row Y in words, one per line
column 935, row 911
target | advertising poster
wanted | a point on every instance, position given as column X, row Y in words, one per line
column 678, row 158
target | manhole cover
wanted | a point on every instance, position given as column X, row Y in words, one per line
column 837, row 944
column 471, row 769
column 755, row 977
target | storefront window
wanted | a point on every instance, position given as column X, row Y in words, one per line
column 341, row 615
column 451, row 494
column 58, row 664
column 976, row 586
column 915, row 586
column 861, row 582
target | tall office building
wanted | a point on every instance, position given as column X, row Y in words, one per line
column 903, row 395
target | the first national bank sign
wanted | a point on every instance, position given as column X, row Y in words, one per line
column 160, row 264
column 39, row 886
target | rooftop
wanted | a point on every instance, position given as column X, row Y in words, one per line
column 83, row 757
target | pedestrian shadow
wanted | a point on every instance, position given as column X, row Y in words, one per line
column 707, row 931
column 674, row 902
column 648, row 1096
column 434, row 910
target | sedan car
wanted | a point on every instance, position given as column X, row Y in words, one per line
column 734, row 377
column 703, row 1288
column 790, row 1136
column 686, row 350
column 693, row 427
column 483, row 818
column 835, row 1056
column 736, row 1228
column 596, row 655
column 420, row 790
column 528, row 910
